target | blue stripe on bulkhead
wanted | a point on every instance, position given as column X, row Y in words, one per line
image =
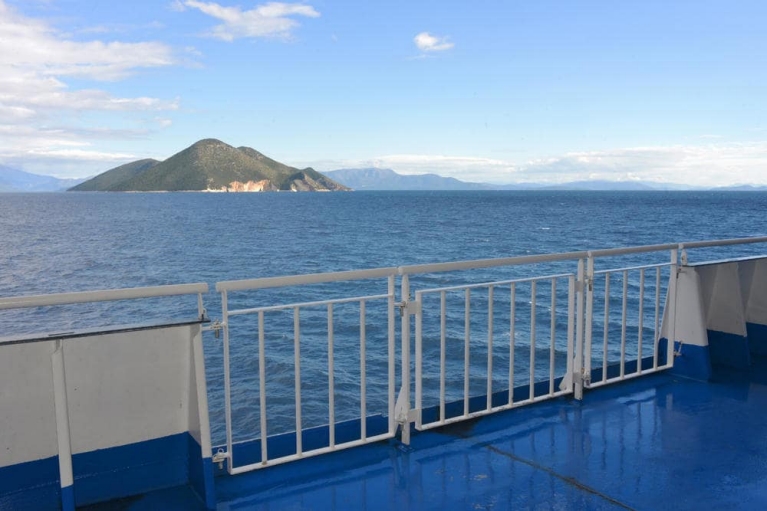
column 690, row 360
column 757, row 338
column 108, row 474
column 201, row 474
column 68, row 498
column 31, row 485
column 730, row 350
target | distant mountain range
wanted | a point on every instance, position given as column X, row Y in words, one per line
column 387, row 179
column 14, row 180
column 210, row 165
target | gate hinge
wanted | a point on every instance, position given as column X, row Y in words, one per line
column 409, row 307
column 216, row 326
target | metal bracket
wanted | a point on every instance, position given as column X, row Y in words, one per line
column 216, row 326
column 220, row 457
column 400, row 415
column 409, row 307
column 678, row 352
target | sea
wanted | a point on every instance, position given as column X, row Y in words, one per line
column 64, row 242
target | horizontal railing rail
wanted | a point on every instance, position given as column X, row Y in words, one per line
column 300, row 280
column 103, row 295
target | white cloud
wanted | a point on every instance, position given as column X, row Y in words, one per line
column 36, row 62
column 31, row 45
column 273, row 19
column 429, row 43
column 706, row 165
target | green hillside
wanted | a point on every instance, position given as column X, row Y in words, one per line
column 211, row 165
column 110, row 179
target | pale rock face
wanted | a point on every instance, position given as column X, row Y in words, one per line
column 251, row 186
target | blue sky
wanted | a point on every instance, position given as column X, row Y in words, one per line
column 498, row 91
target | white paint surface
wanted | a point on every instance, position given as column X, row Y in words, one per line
column 27, row 414
column 754, row 283
column 722, row 296
column 690, row 318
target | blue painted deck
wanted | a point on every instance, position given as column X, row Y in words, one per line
column 658, row 442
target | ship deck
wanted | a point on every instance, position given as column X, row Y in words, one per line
column 650, row 443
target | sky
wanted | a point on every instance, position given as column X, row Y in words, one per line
column 543, row 91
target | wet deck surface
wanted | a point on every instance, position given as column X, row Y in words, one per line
column 653, row 443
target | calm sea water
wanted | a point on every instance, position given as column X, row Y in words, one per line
column 75, row 242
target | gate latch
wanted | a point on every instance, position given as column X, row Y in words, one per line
column 216, row 326
column 409, row 307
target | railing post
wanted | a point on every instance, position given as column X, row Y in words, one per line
column 227, row 380
column 672, row 285
column 392, row 290
column 579, row 313
column 403, row 401
column 66, row 476
column 588, row 288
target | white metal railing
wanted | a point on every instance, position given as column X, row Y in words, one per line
column 576, row 340
column 509, row 345
column 265, row 457
column 561, row 313
column 640, row 312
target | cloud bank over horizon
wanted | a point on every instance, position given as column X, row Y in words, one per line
column 708, row 166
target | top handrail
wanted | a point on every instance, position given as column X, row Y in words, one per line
column 717, row 243
column 104, row 295
column 490, row 263
column 297, row 280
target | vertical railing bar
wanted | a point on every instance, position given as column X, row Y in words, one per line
column 570, row 330
column 589, row 295
column 262, row 386
column 363, row 372
column 533, row 292
column 489, row 348
column 512, row 340
column 553, row 333
column 623, row 322
column 418, row 361
column 331, row 381
column 656, row 333
column 672, row 303
column 297, row 382
column 466, row 347
column 391, row 352
column 606, row 327
column 63, row 435
column 641, row 320
column 405, row 357
column 578, row 364
column 227, row 381
column 442, row 354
